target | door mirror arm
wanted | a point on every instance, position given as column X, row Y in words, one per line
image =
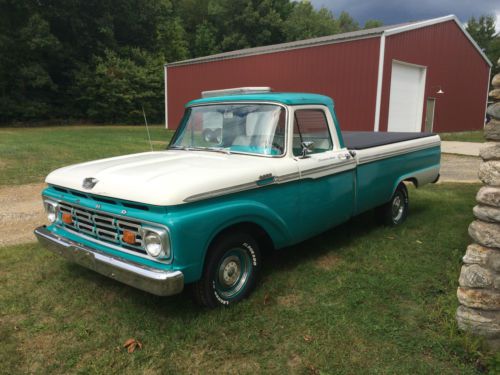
column 307, row 148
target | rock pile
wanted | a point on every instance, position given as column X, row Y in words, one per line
column 479, row 290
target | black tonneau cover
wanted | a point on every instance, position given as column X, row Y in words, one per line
column 362, row 140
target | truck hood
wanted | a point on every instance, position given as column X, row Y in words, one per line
column 165, row 178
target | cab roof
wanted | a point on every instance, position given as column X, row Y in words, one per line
column 287, row 98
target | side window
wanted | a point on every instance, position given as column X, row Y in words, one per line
column 310, row 125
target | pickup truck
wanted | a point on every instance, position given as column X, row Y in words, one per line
column 246, row 171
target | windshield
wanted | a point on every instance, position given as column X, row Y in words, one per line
column 242, row 128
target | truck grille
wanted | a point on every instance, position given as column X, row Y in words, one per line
column 102, row 226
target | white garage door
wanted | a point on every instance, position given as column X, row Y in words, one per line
column 406, row 99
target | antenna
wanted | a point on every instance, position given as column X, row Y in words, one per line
column 147, row 128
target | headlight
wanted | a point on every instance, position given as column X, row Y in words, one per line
column 51, row 210
column 156, row 242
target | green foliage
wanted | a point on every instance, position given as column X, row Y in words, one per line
column 370, row 24
column 101, row 60
column 483, row 32
column 347, row 23
column 305, row 22
column 119, row 86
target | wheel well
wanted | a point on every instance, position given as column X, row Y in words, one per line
column 413, row 180
column 256, row 231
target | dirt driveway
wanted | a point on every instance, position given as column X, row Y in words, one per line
column 459, row 168
column 21, row 211
column 22, row 208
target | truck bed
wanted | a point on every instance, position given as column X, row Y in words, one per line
column 362, row 140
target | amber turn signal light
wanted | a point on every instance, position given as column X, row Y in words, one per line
column 66, row 218
column 128, row 237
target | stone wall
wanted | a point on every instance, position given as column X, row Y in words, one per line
column 479, row 290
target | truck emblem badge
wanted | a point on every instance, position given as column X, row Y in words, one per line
column 89, row 182
column 265, row 176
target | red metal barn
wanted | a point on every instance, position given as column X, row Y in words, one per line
column 427, row 75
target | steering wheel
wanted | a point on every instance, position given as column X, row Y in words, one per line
column 277, row 146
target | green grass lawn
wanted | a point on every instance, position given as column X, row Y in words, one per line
column 360, row 298
column 29, row 154
column 472, row 136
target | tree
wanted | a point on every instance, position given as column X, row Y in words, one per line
column 483, row 32
column 347, row 23
column 27, row 52
column 370, row 24
column 117, row 88
column 205, row 42
column 305, row 22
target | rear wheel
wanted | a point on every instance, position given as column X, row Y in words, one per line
column 231, row 271
column 395, row 211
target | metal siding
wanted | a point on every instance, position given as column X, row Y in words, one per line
column 346, row 71
column 452, row 63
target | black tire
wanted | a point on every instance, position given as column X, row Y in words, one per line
column 395, row 211
column 231, row 271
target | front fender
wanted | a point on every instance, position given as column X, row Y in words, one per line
column 194, row 227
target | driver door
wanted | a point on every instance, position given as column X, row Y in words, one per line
column 327, row 173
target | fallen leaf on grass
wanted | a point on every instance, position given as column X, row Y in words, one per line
column 266, row 299
column 308, row 338
column 131, row 344
column 313, row 370
column 419, row 242
column 390, row 238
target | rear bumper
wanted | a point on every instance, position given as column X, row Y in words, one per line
column 152, row 280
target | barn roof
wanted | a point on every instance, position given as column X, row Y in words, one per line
column 329, row 39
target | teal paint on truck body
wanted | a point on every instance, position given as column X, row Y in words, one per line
column 288, row 212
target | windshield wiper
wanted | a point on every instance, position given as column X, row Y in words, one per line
column 224, row 150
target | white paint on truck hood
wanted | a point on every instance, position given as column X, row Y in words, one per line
column 166, row 177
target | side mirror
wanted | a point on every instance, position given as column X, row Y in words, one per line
column 307, row 148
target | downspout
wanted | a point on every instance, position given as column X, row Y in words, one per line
column 380, row 77
column 166, row 99
column 487, row 96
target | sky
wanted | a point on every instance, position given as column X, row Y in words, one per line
column 399, row 11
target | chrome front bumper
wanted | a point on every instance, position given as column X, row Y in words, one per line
column 152, row 280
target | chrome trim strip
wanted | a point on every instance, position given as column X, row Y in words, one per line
column 92, row 239
column 340, row 167
column 389, row 154
column 224, row 191
column 288, row 177
column 149, row 279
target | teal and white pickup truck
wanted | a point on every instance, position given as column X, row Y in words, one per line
column 247, row 170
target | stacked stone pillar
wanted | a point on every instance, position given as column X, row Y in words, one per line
column 479, row 290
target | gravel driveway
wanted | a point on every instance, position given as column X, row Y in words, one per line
column 458, row 168
column 22, row 211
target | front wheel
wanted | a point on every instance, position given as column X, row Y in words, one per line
column 395, row 211
column 231, row 271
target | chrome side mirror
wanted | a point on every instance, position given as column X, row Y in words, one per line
column 307, row 148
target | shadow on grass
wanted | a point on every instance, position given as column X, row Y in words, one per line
column 286, row 259
column 283, row 260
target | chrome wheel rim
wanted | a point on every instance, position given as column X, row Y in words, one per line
column 233, row 273
column 397, row 208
